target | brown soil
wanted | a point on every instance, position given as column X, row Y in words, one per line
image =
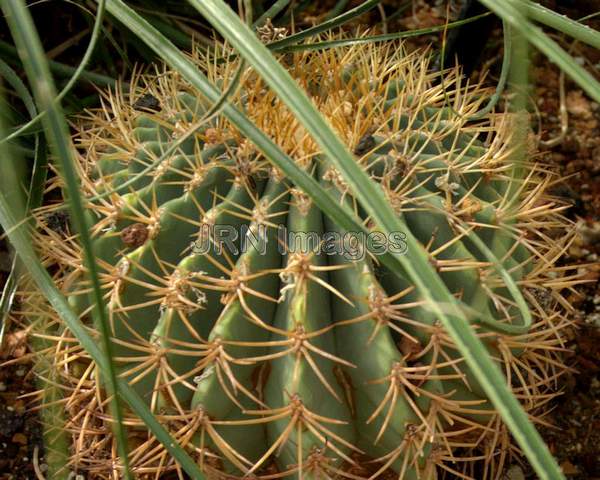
column 576, row 439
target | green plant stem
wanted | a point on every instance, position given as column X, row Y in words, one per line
column 399, row 10
column 506, row 58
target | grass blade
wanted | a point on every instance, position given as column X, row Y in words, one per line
column 418, row 268
column 9, row 180
column 337, row 9
column 6, row 299
column 34, row 200
column 575, row 29
column 506, row 57
column 276, row 46
column 73, row 80
column 515, row 13
column 13, row 169
column 271, row 12
column 18, row 86
column 327, row 25
column 10, row 52
column 34, row 60
column 12, row 180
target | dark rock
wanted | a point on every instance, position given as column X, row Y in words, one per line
column 147, row 102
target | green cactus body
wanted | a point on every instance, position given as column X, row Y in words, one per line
column 309, row 360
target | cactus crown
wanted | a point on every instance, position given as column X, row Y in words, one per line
column 295, row 360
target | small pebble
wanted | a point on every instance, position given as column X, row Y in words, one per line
column 19, row 438
column 590, row 234
column 593, row 319
column 514, row 473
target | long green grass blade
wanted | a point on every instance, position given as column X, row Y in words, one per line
column 6, row 299
column 10, row 181
column 575, row 29
column 515, row 13
column 12, row 185
column 34, row 60
column 276, row 46
column 506, row 57
column 178, row 37
column 11, row 165
column 73, row 80
column 400, row 9
column 325, row 26
column 9, row 52
column 13, row 176
column 337, row 9
column 13, row 79
column 418, row 268
column 271, row 12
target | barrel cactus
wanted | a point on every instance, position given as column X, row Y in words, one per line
column 271, row 342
